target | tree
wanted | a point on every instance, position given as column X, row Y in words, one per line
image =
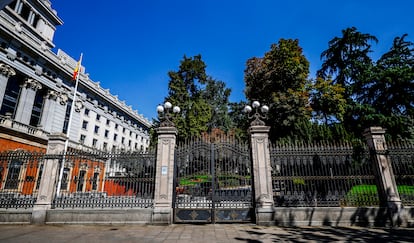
column 203, row 100
column 184, row 91
column 280, row 80
column 328, row 101
column 390, row 92
column 346, row 60
column 217, row 96
column 392, row 89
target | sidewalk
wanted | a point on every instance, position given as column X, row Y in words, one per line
column 198, row 233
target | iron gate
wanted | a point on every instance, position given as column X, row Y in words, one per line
column 213, row 182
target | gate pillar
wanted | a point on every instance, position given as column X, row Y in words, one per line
column 263, row 192
column 387, row 187
column 47, row 187
column 163, row 194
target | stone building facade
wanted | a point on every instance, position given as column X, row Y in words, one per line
column 36, row 90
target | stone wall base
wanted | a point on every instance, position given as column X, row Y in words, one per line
column 335, row 216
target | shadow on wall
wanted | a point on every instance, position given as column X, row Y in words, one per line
column 336, row 217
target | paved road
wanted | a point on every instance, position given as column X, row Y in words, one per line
column 199, row 233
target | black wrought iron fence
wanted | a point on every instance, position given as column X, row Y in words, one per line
column 106, row 180
column 402, row 159
column 322, row 175
column 20, row 175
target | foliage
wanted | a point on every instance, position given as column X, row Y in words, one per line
column 203, row 100
column 280, row 80
column 328, row 101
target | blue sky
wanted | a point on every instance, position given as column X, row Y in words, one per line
column 130, row 46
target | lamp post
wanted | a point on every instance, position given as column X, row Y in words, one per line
column 260, row 113
column 165, row 115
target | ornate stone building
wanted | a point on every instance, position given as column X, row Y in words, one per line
column 36, row 90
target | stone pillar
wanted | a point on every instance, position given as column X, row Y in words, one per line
column 47, row 188
column 163, row 194
column 262, row 176
column 5, row 73
column 387, row 187
column 60, row 113
column 26, row 101
column 48, row 112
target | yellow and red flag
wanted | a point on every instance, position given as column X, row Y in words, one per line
column 77, row 69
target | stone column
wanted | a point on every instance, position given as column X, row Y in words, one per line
column 262, row 176
column 48, row 111
column 47, row 188
column 5, row 73
column 163, row 195
column 387, row 187
column 26, row 101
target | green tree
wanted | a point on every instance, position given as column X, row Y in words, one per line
column 280, row 80
column 328, row 101
column 204, row 101
column 390, row 92
column 217, row 96
column 184, row 91
column 346, row 59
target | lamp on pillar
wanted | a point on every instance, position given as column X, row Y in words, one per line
column 165, row 115
column 260, row 113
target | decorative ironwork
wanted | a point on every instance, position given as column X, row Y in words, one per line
column 164, row 113
column 20, row 174
column 402, row 161
column 213, row 182
column 103, row 180
column 322, row 175
column 258, row 115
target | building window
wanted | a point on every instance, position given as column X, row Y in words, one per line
column 136, row 145
column 37, row 108
column 108, row 122
column 80, row 180
column 130, row 133
column 129, row 143
column 95, row 181
column 116, row 126
column 65, row 179
column 115, row 136
column 86, row 112
column 12, row 179
column 96, row 129
column 123, row 130
column 106, row 133
column 94, row 142
column 136, row 136
column 122, row 140
column 82, row 139
column 98, row 117
column 85, row 125
column 105, row 145
column 11, row 95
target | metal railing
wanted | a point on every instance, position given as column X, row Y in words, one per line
column 107, row 180
column 322, row 175
column 20, row 175
column 402, row 161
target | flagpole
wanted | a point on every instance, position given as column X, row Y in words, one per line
column 72, row 108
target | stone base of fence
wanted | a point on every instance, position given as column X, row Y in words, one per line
column 15, row 216
column 99, row 216
column 340, row 217
column 287, row 216
column 265, row 216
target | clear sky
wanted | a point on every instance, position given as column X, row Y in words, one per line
column 130, row 46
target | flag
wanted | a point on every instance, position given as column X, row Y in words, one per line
column 76, row 71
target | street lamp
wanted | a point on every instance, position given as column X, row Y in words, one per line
column 164, row 113
column 258, row 115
